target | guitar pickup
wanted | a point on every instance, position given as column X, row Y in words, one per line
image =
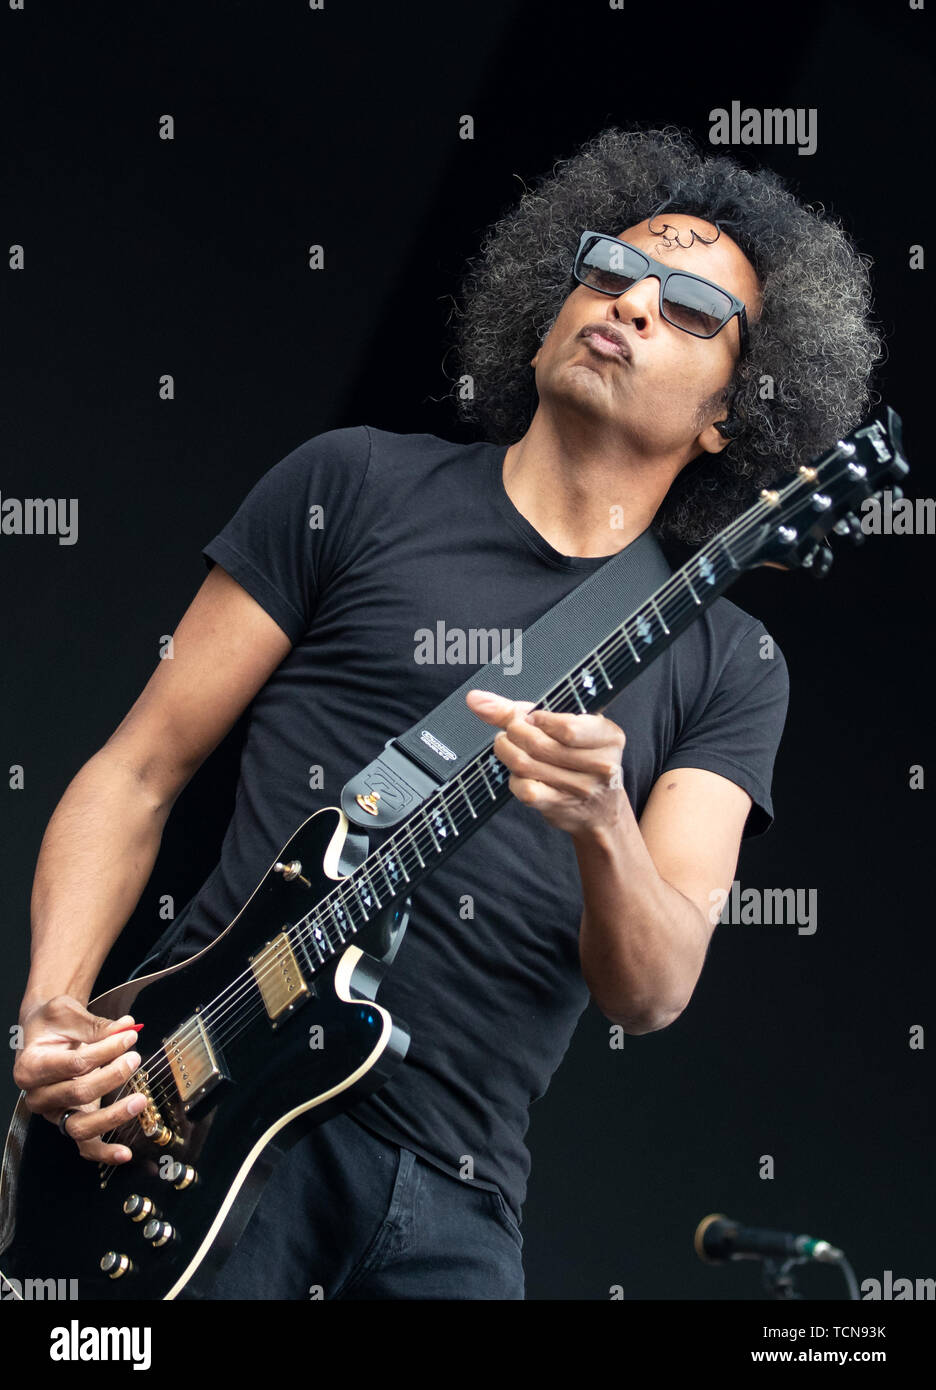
column 281, row 983
column 193, row 1061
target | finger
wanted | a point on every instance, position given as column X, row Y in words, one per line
column 579, row 773
column 601, row 761
column 579, row 785
column 86, row 1124
column 45, row 1063
column 97, row 1151
column 578, row 730
column 82, row 1090
column 535, row 793
column 496, row 709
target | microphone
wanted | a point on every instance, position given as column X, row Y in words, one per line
column 718, row 1238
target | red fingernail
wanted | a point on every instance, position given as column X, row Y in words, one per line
column 131, row 1027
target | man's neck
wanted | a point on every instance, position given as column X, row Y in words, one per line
column 585, row 494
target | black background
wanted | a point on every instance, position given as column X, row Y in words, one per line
column 189, row 257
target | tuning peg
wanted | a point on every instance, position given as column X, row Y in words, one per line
column 820, row 561
column 849, row 526
column 855, row 533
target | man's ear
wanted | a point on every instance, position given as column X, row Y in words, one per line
column 719, row 434
column 729, row 428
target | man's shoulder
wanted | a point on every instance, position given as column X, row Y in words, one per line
column 418, row 450
column 728, row 633
column 380, row 452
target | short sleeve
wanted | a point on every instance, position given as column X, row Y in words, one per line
column 285, row 539
column 738, row 731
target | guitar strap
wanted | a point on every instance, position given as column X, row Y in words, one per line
column 438, row 746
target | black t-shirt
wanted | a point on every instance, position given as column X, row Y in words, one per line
column 354, row 543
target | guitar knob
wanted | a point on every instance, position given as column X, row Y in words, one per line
column 159, row 1134
column 138, row 1208
column 115, row 1265
column 181, row 1175
column 158, row 1232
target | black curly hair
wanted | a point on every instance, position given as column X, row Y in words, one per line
column 815, row 337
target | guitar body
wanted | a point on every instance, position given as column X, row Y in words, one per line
column 275, row 1079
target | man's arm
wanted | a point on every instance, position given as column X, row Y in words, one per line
column 647, row 888
column 101, row 843
column 648, row 893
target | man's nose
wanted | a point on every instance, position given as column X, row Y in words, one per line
column 640, row 305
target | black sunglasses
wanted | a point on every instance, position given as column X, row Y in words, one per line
column 697, row 306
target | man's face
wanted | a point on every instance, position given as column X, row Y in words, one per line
column 649, row 400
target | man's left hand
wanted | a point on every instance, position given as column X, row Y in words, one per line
column 567, row 766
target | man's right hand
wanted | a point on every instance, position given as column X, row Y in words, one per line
column 68, row 1062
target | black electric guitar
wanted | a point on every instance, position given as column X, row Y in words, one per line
column 274, row 1026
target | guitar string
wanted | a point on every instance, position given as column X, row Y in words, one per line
column 244, row 989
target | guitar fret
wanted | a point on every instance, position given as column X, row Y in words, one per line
column 318, row 936
column 370, row 882
column 685, row 575
column 409, row 831
column 603, row 671
column 432, row 833
column 627, row 639
column 342, row 911
column 576, row 694
column 397, row 856
column 339, row 910
column 299, row 944
column 448, row 813
column 486, row 782
column 383, row 869
column 660, row 616
column 731, row 559
column 315, row 943
column 464, row 791
column 358, row 888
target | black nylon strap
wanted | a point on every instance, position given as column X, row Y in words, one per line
column 441, row 744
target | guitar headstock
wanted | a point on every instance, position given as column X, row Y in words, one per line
column 799, row 515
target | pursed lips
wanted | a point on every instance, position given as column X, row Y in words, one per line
column 604, row 342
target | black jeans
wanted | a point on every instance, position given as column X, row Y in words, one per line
column 346, row 1214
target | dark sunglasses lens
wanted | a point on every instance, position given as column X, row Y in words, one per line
column 694, row 306
column 609, row 265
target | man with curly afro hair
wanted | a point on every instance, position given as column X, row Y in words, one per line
column 644, row 341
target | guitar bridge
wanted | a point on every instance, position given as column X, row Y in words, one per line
column 150, row 1118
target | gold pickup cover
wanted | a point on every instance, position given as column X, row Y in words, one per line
column 192, row 1060
column 278, row 976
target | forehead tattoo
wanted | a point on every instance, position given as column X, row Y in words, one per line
column 670, row 235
